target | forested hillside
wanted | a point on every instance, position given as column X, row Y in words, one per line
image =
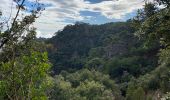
column 110, row 47
column 114, row 61
column 129, row 52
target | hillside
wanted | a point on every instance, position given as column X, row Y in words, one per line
column 111, row 47
column 127, row 60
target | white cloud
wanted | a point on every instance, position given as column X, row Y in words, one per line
column 8, row 9
column 54, row 17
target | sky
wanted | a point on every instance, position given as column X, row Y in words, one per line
column 59, row 13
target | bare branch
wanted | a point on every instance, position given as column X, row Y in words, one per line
column 15, row 18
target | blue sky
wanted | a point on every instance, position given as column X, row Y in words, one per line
column 100, row 19
column 60, row 13
column 97, row 1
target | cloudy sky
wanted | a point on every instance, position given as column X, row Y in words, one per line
column 60, row 13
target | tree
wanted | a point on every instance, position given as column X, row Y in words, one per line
column 139, row 94
column 23, row 77
column 164, row 2
column 95, row 63
column 23, row 66
column 155, row 30
column 85, row 85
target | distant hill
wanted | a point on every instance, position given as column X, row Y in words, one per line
column 99, row 46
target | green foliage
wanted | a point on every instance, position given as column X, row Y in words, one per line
column 23, row 66
column 135, row 93
column 23, row 77
column 95, row 63
column 164, row 56
column 156, row 26
column 96, row 46
column 83, row 42
column 138, row 94
column 135, row 67
column 86, row 85
column 154, row 29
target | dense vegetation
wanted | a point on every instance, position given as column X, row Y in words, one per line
column 113, row 61
column 111, row 47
